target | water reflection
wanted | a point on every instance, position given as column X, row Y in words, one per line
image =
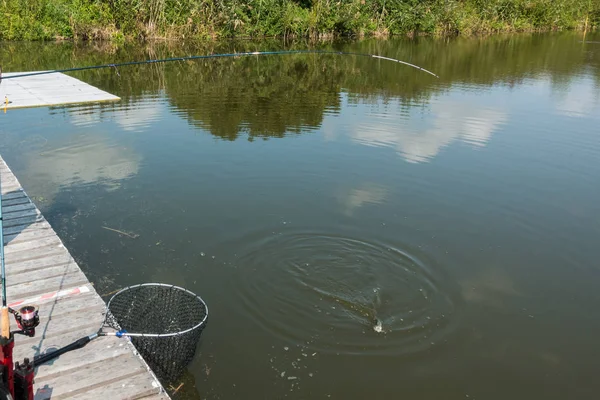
column 435, row 128
column 130, row 116
column 82, row 160
column 274, row 96
column 580, row 98
column 366, row 193
column 489, row 286
column 138, row 117
column 84, row 117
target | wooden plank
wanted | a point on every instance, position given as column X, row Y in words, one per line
column 31, row 228
column 14, row 250
column 15, row 201
column 75, row 382
column 35, row 286
column 21, row 222
column 104, row 352
column 64, row 329
column 20, row 214
column 25, row 233
column 19, row 207
column 128, row 389
column 52, row 335
column 40, row 252
column 16, row 229
column 44, row 273
column 97, row 350
column 8, row 188
column 8, row 178
column 58, row 257
column 9, row 184
column 30, row 233
column 75, row 304
column 6, row 196
column 70, row 302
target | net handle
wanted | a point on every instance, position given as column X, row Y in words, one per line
column 159, row 335
column 151, row 335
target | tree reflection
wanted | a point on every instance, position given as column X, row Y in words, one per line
column 271, row 96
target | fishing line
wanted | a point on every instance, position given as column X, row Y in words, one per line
column 208, row 56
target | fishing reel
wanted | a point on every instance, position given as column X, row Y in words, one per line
column 27, row 318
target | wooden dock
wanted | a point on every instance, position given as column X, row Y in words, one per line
column 41, row 271
column 48, row 90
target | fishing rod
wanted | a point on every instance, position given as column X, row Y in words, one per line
column 2, row 267
column 6, row 339
column 208, row 56
column 4, row 322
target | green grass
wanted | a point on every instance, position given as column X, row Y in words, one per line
column 119, row 19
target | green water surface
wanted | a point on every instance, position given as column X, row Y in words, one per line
column 359, row 229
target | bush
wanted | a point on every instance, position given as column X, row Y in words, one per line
column 96, row 19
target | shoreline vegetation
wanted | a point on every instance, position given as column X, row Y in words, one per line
column 121, row 20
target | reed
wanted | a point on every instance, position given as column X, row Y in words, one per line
column 119, row 19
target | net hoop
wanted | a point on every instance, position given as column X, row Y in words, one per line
column 161, row 335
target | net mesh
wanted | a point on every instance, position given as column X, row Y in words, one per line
column 171, row 319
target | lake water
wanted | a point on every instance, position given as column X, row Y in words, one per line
column 359, row 229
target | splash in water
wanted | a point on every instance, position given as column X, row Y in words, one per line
column 377, row 323
column 378, row 326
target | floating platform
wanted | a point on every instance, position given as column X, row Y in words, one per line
column 41, row 271
column 48, row 90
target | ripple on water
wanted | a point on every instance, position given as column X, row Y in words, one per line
column 341, row 295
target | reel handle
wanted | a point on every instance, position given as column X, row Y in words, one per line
column 4, row 323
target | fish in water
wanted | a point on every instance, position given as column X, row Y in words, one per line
column 365, row 308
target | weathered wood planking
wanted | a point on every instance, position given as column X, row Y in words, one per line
column 48, row 90
column 38, row 265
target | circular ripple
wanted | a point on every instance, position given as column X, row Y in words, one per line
column 341, row 295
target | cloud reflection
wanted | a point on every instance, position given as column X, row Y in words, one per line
column 578, row 99
column 85, row 160
column 367, row 193
column 489, row 286
column 138, row 117
column 133, row 117
column 443, row 124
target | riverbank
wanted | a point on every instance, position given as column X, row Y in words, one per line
column 154, row 19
